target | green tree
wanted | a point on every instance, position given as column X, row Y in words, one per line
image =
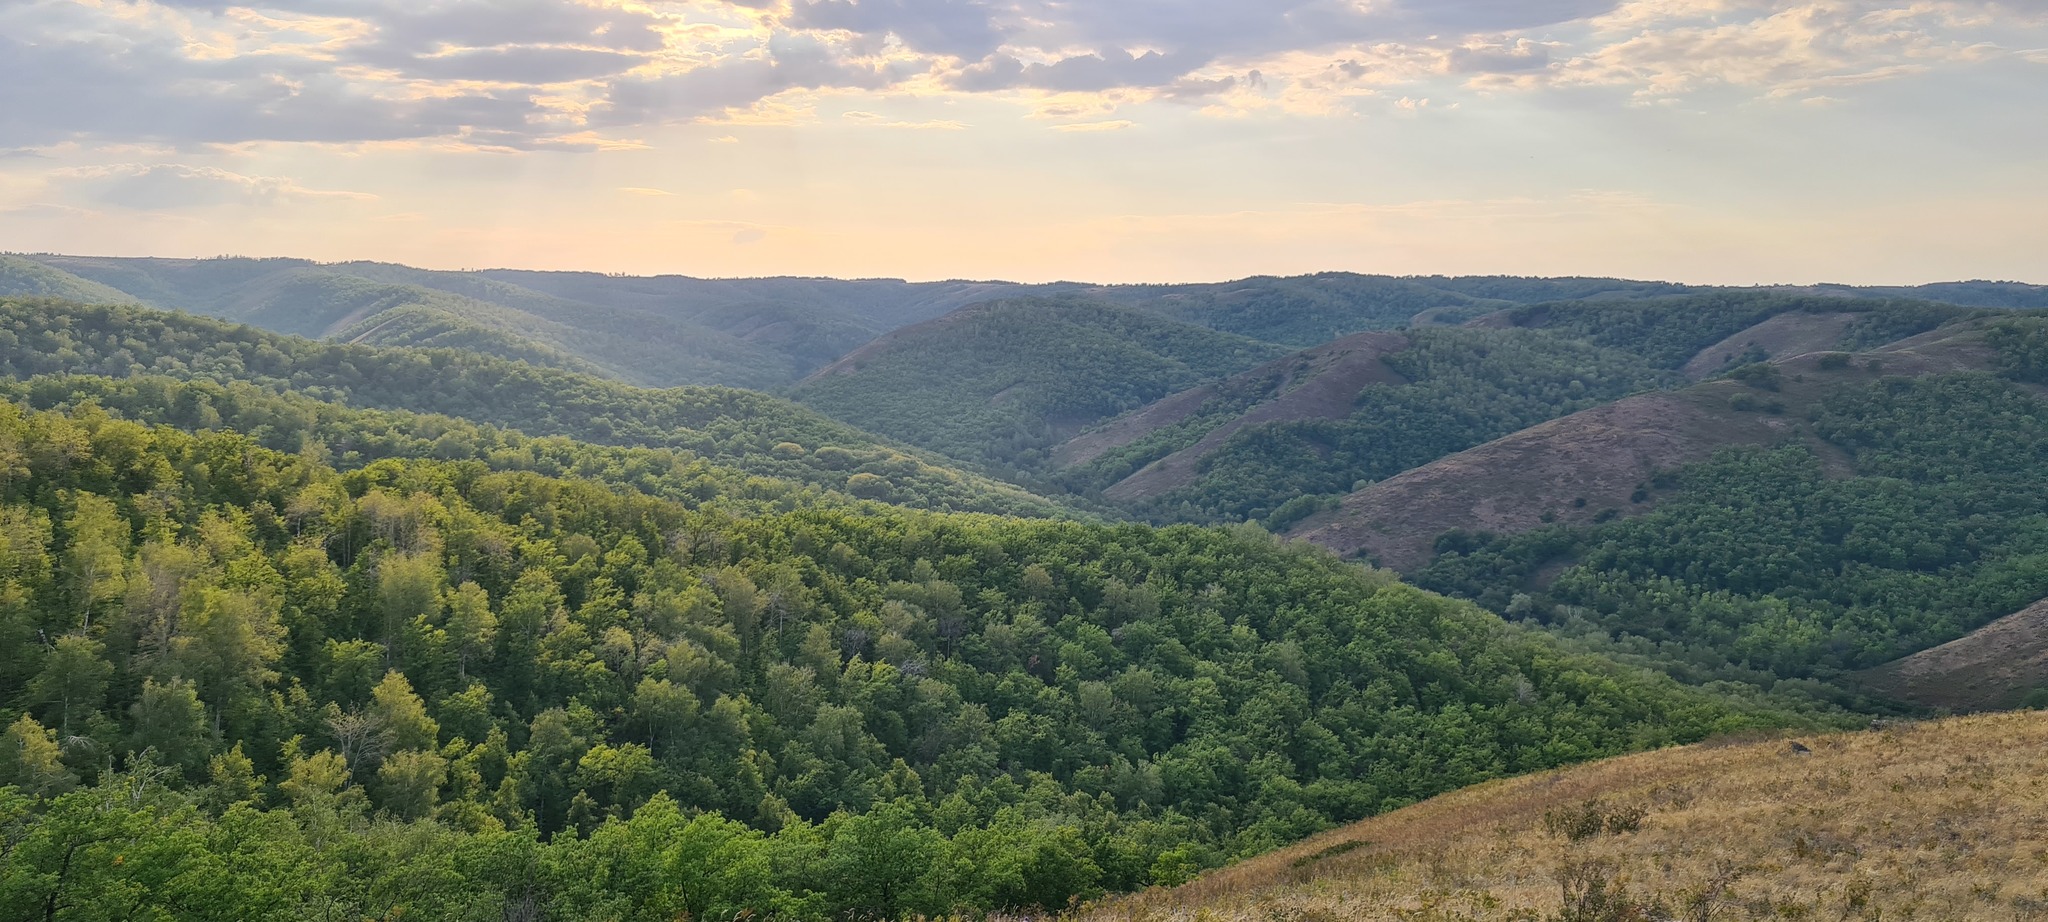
column 402, row 714
column 96, row 560
column 31, row 761
column 73, row 682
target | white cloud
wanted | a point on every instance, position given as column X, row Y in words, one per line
column 157, row 187
column 1113, row 125
column 1662, row 48
column 876, row 120
column 576, row 74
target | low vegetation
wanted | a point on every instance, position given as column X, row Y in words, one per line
column 1927, row 821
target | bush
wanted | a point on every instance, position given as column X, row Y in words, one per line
column 1592, row 818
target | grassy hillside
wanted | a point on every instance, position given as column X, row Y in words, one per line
column 1002, row 383
column 1272, row 443
column 1890, row 503
column 2001, row 665
column 1599, row 463
column 239, row 683
column 741, row 429
column 1937, row 820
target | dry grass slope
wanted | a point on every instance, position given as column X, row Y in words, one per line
column 1995, row 666
column 1592, row 463
column 1319, row 383
column 1788, row 334
column 1939, row 820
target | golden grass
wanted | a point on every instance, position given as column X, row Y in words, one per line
column 1938, row 820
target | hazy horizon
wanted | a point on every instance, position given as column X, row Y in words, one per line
column 1050, row 280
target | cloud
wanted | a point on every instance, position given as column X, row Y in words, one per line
column 575, row 74
column 644, row 191
column 957, row 28
column 516, row 64
column 794, row 63
column 1518, row 57
column 58, row 92
column 1790, row 52
column 881, row 121
column 1078, row 73
column 1113, row 125
column 159, row 187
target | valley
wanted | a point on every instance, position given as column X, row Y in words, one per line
column 592, row 596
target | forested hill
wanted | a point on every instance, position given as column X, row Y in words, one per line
column 1275, row 442
column 1788, row 525
column 297, row 629
column 768, row 333
column 23, row 276
column 740, row 429
column 239, row 683
column 1003, row 382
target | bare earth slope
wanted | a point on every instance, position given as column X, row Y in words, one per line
column 1995, row 666
column 1592, row 463
column 1788, row 334
column 1940, row 820
column 1320, row 383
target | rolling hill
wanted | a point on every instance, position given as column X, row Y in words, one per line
column 340, row 625
column 2001, row 665
column 1936, row 819
column 246, row 680
column 20, row 275
column 1787, row 526
column 393, row 305
column 1002, row 383
column 1597, row 462
column 1273, row 440
column 744, row 430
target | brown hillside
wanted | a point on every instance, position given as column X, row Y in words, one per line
column 1132, row 426
column 1993, row 667
column 1602, row 456
column 1306, row 382
column 1318, row 383
column 1939, row 820
column 1788, row 334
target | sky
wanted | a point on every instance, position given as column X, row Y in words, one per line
column 1708, row 141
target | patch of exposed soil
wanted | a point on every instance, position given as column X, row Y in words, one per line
column 1320, row 383
column 1568, row 470
column 1785, row 335
column 1498, row 320
column 1604, row 455
column 1132, row 426
column 1991, row 668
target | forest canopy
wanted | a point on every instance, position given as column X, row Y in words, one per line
column 275, row 689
